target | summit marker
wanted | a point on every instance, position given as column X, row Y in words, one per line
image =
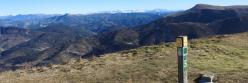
column 182, row 52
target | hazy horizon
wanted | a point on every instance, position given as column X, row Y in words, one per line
column 23, row 7
column 113, row 11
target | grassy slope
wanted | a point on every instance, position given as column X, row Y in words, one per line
column 226, row 56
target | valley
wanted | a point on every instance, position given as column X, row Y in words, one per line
column 124, row 47
column 61, row 40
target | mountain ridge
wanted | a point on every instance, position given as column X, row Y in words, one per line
column 102, row 20
column 59, row 43
column 207, row 6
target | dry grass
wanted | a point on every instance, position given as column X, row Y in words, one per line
column 226, row 56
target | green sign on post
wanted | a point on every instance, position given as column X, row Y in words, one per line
column 182, row 52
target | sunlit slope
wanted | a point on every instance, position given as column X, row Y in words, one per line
column 225, row 56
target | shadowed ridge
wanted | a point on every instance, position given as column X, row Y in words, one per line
column 216, row 7
column 206, row 6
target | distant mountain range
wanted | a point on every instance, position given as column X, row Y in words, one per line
column 58, row 38
column 96, row 22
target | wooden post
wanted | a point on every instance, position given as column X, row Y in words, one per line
column 182, row 52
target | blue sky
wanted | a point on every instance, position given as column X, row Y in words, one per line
column 13, row 7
